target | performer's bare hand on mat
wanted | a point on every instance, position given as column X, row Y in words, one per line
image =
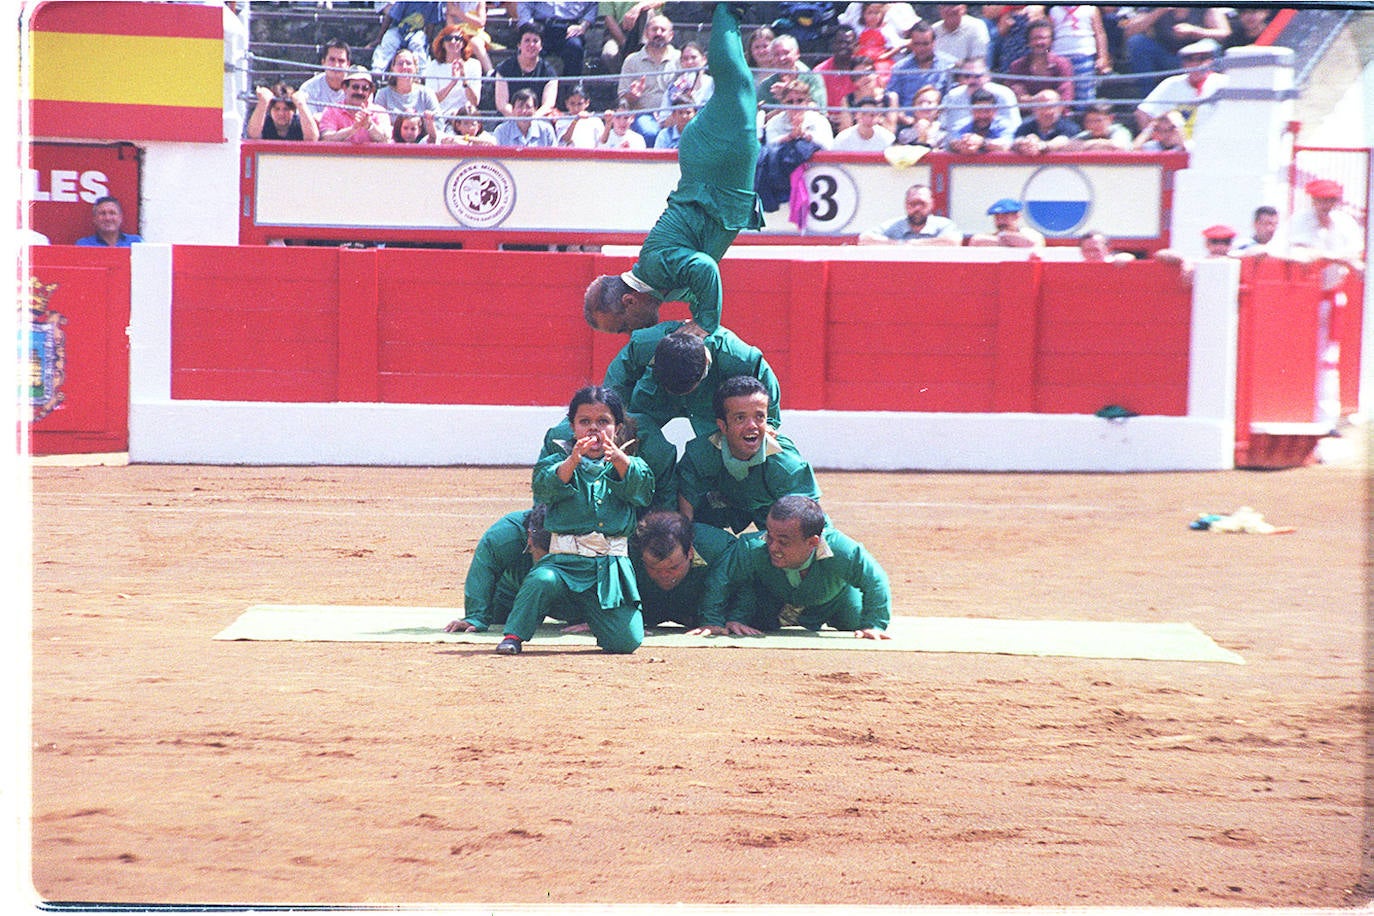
column 872, row 634
column 460, row 626
column 577, row 628
column 731, row 628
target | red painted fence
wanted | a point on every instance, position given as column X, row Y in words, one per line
column 1276, row 359
column 466, row 327
column 474, row 327
column 90, row 293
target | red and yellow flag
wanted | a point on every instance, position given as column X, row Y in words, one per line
column 126, row 71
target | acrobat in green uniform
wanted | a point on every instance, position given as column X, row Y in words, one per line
column 802, row 572
column 592, row 491
column 713, row 202
column 730, row 479
column 502, row 559
column 666, row 372
column 679, row 566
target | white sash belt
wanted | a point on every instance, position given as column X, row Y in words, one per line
column 594, row 544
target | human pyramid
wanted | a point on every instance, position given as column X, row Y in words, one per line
column 623, row 534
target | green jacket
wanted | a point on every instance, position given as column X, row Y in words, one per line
column 705, row 484
column 840, row 563
column 499, row 564
column 631, row 375
column 633, row 370
column 596, row 499
column 704, row 582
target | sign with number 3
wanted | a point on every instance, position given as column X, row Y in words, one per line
column 834, row 199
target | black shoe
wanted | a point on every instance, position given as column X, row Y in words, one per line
column 508, row 646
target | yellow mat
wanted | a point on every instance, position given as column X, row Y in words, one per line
column 1068, row 638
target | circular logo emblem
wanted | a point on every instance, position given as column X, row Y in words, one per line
column 480, row 193
column 1058, row 199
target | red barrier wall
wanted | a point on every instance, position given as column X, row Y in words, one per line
column 1111, row 338
column 1350, row 327
column 1276, row 373
column 92, row 295
column 470, row 327
column 467, row 327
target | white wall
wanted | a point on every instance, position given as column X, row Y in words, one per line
column 1241, row 150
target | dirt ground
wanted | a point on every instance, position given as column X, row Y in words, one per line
column 168, row 767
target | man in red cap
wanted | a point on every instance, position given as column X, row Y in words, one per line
column 1329, row 233
column 1330, row 237
column 1218, row 239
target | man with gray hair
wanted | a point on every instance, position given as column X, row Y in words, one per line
column 787, row 60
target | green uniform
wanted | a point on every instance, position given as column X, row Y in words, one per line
column 704, row 582
column 729, row 355
column 714, row 198
column 499, row 564
column 843, row 587
column 598, row 589
column 652, row 407
column 718, row 498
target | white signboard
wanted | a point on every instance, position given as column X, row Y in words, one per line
column 427, row 193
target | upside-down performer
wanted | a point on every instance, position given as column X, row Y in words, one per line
column 713, row 201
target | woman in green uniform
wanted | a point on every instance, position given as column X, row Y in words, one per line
column 592, row 488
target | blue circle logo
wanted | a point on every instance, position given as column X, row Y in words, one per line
column 1058, row 199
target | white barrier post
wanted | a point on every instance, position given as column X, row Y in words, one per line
column 1240, row 148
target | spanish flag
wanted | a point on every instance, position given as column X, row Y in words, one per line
column 126, row 71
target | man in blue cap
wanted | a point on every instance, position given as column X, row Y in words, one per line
column 1008, row 231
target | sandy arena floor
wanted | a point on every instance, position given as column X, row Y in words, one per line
column 168, row 767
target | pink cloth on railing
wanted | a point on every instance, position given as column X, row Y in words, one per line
column 800, row 199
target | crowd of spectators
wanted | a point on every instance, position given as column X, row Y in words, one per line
column 969, row 79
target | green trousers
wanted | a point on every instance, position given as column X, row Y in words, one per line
column 548, row 592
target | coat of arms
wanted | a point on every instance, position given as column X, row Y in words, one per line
column 47, row 350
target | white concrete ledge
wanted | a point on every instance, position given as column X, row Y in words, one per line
column 237, row 432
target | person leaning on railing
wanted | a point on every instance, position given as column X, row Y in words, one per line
column 282, row 114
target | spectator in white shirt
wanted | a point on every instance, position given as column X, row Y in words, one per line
column 579, row 128
column 866, row 134
column 618, row 132
column 960, row 35
column 1186, row 91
